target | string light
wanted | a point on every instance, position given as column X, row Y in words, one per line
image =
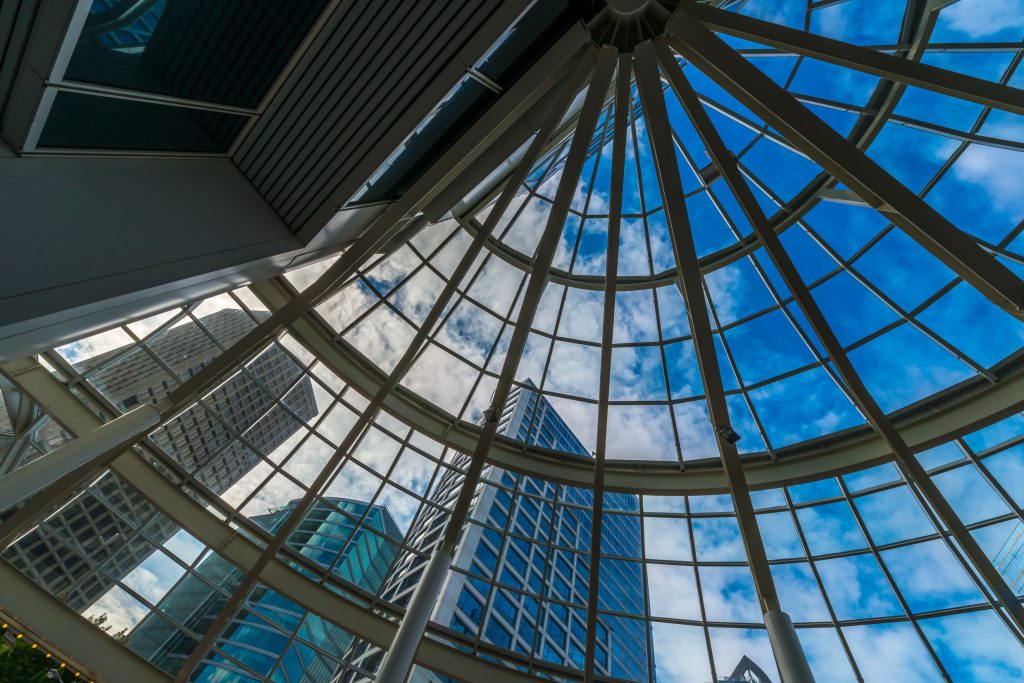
column 35, row 646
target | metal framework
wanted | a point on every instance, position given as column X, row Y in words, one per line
column 549, row 269
column 908, row 464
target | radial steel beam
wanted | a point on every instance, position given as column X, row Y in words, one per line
column 623, row 100
column 395, row 667
column 28, row 480
column 908, row 464
column 819, row 142
column 864, row 59
column 538, row 279
column 663, row 151
column 560, row 102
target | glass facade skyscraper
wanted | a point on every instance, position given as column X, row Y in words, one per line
column 271, row 636
column 127, row 376
column 539, row 611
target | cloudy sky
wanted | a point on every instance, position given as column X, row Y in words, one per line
column 866, row 277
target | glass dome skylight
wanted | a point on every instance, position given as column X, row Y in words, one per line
column 730, row 329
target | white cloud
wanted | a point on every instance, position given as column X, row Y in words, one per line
column 891, row 652
column 95, row 345
column 122, row 610
column 681, row 654
column 666, row 538
column 979, row 18
column 996, row 172
column 983, row 649
column 673, row 591
column 638, row 432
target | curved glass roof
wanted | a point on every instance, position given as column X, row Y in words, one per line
column 911, row 327
column 686, row 358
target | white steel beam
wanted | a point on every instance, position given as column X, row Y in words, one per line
column 961, row 409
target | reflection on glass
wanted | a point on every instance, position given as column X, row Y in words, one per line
column 79, row 121
column 256, row 642
column 213, row 51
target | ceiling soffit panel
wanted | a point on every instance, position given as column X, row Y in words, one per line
column 370, row 75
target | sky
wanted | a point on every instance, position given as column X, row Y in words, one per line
column 866, row 277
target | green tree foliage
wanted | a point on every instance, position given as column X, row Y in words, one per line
column 100, row 622
column 19, row 663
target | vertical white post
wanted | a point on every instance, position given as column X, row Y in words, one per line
column 789, row 654
column 398, row 660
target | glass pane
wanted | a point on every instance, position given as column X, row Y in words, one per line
column 213, row 51
column 79, row 121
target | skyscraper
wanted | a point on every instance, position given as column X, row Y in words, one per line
column 1010, row 558
column 513, row 619
column 54, row 553
column 272, row 633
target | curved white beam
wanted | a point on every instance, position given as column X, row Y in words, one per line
column 959, row 410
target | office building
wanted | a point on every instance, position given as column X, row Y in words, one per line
column 273, row 631
column 538, row 619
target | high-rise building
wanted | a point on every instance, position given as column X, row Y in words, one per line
column 514, row 620
column 195, row 438
column 54, row 553
column 271, row 630
column 1010, row 558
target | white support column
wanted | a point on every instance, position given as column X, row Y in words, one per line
column 789, row 655
column 399, row 659
column 25, row 482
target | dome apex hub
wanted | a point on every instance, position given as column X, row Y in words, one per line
column 628, row 8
